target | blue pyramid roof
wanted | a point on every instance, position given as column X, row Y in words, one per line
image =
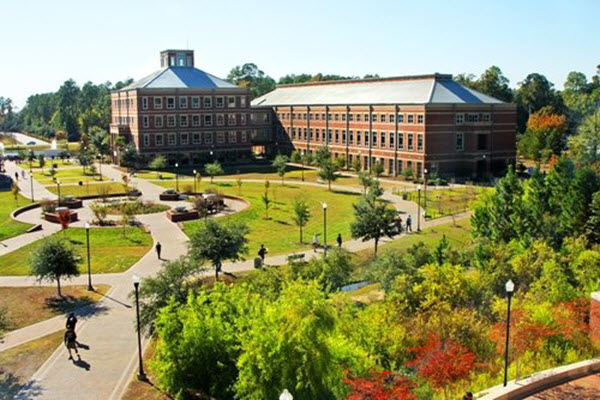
column 180, row 77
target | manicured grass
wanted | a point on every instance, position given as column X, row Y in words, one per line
column 112, row 250
column 138, row 390
column 138, row 207
column 64, row 175
column 88, row 190
column 18, row 364
column 8, row 226
column 279, row 233
column 448, row 201
column 28, row 305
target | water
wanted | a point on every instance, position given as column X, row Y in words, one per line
column 354, row 286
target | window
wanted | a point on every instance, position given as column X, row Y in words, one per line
column 419, row 142
column 172, row 139
column 460, row 119
column 343, row 135
column 170, row 102
column 145, row 121
column 159, row 139
column 329, row 117
column 401, row 118
column 472, row 117
column 243, row 137
column 357, row 138
column 410, row 141
column 146, row 140
column 183, row 120
column 486, row 117
column 350, row 117
column 219, row 102
column 208, row 137
column 329, row 135
column 195, row 138
column 411, row 118
column 231, row 101
column 317, row 133
column 183, row 102
column 337, row 135
column 144, row 103
column 243, row 119
column 195, row 120
column 343, row 117
column 208, row 120
column 400, row 140
column 231, row 119
column 317, row 117
column 157, row 103
column 337, row 117
column 460, row 141
column 243, row 102
column 220, row 120
column 207, row 102
column 366, row 117
column 232, row 137
column 184, row 137
column 420, row 119
column 366, row 138
column 357, row 117
column 195, row 101
column 373, row 117
column 158, row 121
column 293, row 133
column 382, row 117
column 310, row 133
column 482, row 141
column 391, row 140
column 170, row 121
column 382, row 143
column 220, row 137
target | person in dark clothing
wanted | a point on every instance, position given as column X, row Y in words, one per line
column 16, row 176
column 468, row 396
column 339, row 240
column 71, row 343
column 408, row 224
column 262, row 252
column 71, row 321
column 158, row 248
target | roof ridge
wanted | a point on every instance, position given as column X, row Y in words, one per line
column 434, row 76
column 156, row 77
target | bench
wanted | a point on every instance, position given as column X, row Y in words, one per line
column 295, row 257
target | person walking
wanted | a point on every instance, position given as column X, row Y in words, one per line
column 23, row 174
column 262, row 252
column 408, row 224
column 16, row 176
column 315, row 242
column 399, row 224
column 158, row 248
column 339, row 240
column 71, row 321
column 71, row 343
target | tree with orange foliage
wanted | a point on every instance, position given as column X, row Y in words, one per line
column 545, row 135
column 384, row 385
column 64, row 217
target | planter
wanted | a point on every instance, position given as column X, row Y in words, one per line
column 53, row 217
column 71, row 203
column 175, row 216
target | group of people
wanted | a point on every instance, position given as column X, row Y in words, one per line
column 23, row 175
column 400, row 227
column 316, row 244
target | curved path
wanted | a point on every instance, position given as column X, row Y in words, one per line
column 109, row 330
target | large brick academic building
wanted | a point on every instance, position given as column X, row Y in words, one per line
column 423, row 123
column 182, row 113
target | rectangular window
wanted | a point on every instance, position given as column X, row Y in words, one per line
column 220, row 137
column 411, row 118
column 232, row 137
column 373, row 118
column 337, row 135
column 486, row 117
column 220, row 120
column 420, row 119
column 310, row 134
column 170, row 102
column 183, row 120
column 244, row 137
column 219, row 102
column 243, row 119
column 184, row 137
column 366, row 138
column 337, row 117
column 195, row 138
column 382, row 143
column 208, row 137
column 231, row 101
column 171, row 121
column 460, row 141
column 317, row 117
column 382, row 117
column 410, row 141
column 343, row 135
column 329, row 133
column 183, row 102
column 172, row 139
column 419, row 142
column 358, row 136
column 350, row 117
column 374, row 139
column 350, row 137
column 195, row 101
column 482, row 142
column 207, row 102
column 391, row 140
column 391, row 117
column 195, row 120
column 146, row 140
column 343, row 117
column 231, row 119
column 145, row 121
column 243, row 102
column 158, row 121
column 357, row 117
column 144, row 103
column 460, row 119
column 366, row 117
column 157, row 103
column 401, row 118
column 159, row 139
column 400, row 140
column 329, row 117
column 208, row 120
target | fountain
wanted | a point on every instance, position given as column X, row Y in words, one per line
column 53, row 144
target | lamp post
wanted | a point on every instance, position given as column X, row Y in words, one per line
column 510, row 287
column 87, row 236
column 176, row 177
column 58, row 188
column 31, row 181
column 211, row 156
column 419, row 208
column 325, row 229
column 136, row 284
column 425, row 189
column 195, row 176
column 100, row 165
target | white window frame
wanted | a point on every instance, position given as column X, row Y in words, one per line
column 231, row 120
column 420, row 118
column 159, row 139
column 207, row 120
column 220, row 119
column 243, row 119
column 174, row 103
column 220, row 137
column 144, row 103
column 244, row 137
column 420, row 143
column 219, row 99
column 459, row 118
column 232, row 137
column 410, row 141
column 146, row 140
column 158, row 121
column 196, row 138
column 173, row 118
column 184, row 138
column 145, row 121
column 207, row 102
column 157, row 103
column 208, row 137
column 459, row 141
column 243, row 101
column 183, row 102
column 410, row 119
column 229, row 104
column 172, row 139
column 196, row 102
column 184, row 120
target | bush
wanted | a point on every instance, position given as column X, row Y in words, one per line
column 188, row 189
column 48, row 206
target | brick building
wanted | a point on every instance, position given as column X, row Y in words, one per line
column 182, row 113
column 427, row 122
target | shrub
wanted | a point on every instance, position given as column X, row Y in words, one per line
column 48, row 206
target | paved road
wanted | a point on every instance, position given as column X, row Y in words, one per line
column 24, row 139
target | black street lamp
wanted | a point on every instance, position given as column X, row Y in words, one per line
column 425, row 189
column 100, row 165
column 419, row 208
column 325, row 229
column 510, row 287
column 195, row 175
column 87, row 236
column 176, row 177
column 31, row 181
column 58, row 188
column 136, row 284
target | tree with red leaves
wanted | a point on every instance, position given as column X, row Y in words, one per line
column 384, row 385
column 442, row 362
column 64, row 217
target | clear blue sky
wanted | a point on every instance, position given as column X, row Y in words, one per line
column 46, row 42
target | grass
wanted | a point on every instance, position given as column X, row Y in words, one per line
column 8, row 140
column 28, row 305
column 138, row 390
column 65, row 175
column 18, row 364
column 442, row 202
column 279, row 233
column 138, row 207
column 112, row 250
column 88, row 190
column 8, row 226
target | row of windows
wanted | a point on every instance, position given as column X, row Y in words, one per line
column 196, row 138
column 385, row 118
column 184, row 120
column 183, row 102
column 361, row 138
column 462, row 118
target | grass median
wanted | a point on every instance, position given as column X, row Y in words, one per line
column 8, row 226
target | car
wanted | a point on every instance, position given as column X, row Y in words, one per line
column 31, row 143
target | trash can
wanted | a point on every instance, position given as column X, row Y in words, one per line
column 258, row 263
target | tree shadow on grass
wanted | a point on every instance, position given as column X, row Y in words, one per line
column 346, row 192
column 82, row 307
column 282, row 222
column 11, row 387
column 223, row 184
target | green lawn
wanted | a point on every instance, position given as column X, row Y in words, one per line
column 87, row 190
column 447, row 201
column 8, row 226
column 279, row 233
column 112, row 250
column 65, row 175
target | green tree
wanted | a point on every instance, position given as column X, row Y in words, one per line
column 373, row 219
column 378, row 169
column 158, row 164
column 54, row 259
column 41, row 162
column 65, row 117
column 534, row 93
column 99, row 140
column 356, row 166
column 585, row 145
column 130, row 157
column 576, row 205
column 217, row 242
column 301, row 214
column 328, row 172
column 280, row 164
column 266, row 202
column 296, row 157
column 365, row 180
column 592, row 226
column 251, row 77
column 213, row 169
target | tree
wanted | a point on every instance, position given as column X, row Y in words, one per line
column 216, row 242
column 267, row 202
column 585, row 146
column 545, row 135
column 356, row 166
column 534, row 93
column 239, row 182
column 301, row 214
column 41, row 162
column 379, row 385
column 65, row 116
column 54, row 259
column 4, row 322
column 158, row 164
column 378, row 169
column 373, row 219
column 130, row 156
column 213, row 169
column 280, row 164
column 250, row 76
column 296, row 157
column 99, row 140
column 328, row 172
column 365, row 180
column 592, row 226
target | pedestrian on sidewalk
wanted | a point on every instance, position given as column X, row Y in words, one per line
column 71, row 343
column 16, row 176
column 399, row 224
column 71, row 321
column 158, row 248
column 23, row 173
column 262, row 252
column 315, row 242
column 339, row 240
column 408, row 224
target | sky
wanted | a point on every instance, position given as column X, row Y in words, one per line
column 47, row 42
